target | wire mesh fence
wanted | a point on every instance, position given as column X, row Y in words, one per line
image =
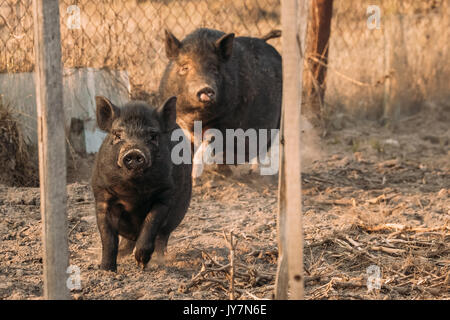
column 128, row 35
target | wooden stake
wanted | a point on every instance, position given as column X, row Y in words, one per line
column 231, row 243
column 397, row 95
column 51, row 140
column 294, row 22
column 282, row 277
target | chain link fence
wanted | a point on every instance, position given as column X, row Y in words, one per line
column 128, row 35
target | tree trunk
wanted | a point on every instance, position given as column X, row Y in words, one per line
column 317, row 45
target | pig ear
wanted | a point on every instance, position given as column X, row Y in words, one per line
column 173, row 45
column 106, row 113
column 225, row 46
column 168, row 113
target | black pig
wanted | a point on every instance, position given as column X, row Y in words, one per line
column 140, row 194
column 223, row 81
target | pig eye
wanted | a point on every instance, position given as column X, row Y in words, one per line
column 183, row 69
column 153, row 138
column 213, row 68
column 117, row 136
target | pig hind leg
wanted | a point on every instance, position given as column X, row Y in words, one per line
column 160, row 246
column 126, row 247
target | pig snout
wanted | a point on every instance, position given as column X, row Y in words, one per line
column 206, row 94
column 134, row 159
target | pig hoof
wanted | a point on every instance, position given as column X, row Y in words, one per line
column 224, row 170
column 108, row 267
column 196, row 182
column 143, row 257
column 141, row 265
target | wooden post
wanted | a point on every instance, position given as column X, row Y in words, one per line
column 294, row 15
column 282, row 278
column 397, row 92
column 51, row 140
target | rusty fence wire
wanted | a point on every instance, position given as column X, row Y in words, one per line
column 128, row 35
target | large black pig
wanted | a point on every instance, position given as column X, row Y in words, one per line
column 140, row 194
column 223, row 81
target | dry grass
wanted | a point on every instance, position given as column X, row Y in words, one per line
column 360, row 54
column 19, row 161
column 413, row 263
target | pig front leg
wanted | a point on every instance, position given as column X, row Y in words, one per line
column 145, row 244
column 108, row 235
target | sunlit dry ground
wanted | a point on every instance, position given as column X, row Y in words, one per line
column 374, row 196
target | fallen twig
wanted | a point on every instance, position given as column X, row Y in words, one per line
column 388, row 250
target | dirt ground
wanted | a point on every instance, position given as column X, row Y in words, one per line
column 372, row 196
